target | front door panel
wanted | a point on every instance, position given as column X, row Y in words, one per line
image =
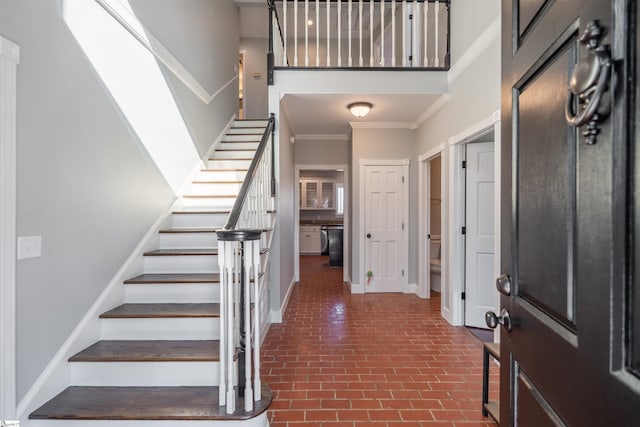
column 572, row 356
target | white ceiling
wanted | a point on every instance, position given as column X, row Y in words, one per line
column 327, row 114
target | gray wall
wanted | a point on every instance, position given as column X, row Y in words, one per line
column 85, row 183
column 255, row 88
column 321, row 152
column 381, row 144
column 469, row 18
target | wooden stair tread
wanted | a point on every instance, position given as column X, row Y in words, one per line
column 189, row 230
column 174, row 278
column 182, row 252
column 230, row 159
column 163, row 310
column 150, row 351
column 145, row 403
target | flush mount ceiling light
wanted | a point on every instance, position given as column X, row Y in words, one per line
column 360, row 109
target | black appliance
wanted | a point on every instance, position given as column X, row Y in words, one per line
column 324, row 240
column 335, row 233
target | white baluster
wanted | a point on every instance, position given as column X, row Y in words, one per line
column 393, row 33
column 349, row 36
column 306, row 33
column 328, row 5
column 339, row 33
column 436, row 62
column 317, row 33
column 371, row 7
column 382, row 60
column 284, row 42
column 404, row 33
column 416, row 40
column 295, row 32
column 248, row 391
column 222, row 389
column 426, row 34
column 360, row 6
column 257, row 381
column 230, row 263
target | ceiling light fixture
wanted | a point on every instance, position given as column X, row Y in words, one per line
column 360, row 109
column 309, row 22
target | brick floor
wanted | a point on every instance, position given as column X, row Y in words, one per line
column 375, row 360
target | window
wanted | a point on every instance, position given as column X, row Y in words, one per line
column 339, row 198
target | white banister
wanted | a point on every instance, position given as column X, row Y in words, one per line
column 306, row 33
column 295, row 33
column 317, row 33
column 350, row 61
column 436, row 61
column 284, row 42
column 393, row 33
column 360, row 7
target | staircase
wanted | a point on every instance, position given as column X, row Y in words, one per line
column 158, row 360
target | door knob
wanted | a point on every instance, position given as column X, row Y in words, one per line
column 493, row 321
column 368, row 235
column 503, row 284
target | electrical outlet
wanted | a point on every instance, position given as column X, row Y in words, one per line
column 29, row 247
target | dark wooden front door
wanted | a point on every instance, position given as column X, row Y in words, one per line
column 569, row 216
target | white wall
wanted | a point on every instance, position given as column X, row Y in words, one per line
column 255, row 88
column 85, row 182
column 385, row 144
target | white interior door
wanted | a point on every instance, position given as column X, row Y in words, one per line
column 385, row 244
column 479, row 277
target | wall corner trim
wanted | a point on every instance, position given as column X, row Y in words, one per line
column 277, row 315
column 474, row 51
column 9, row 51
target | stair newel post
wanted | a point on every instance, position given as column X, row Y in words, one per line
column 257, row 381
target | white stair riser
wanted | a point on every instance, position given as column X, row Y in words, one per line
column 205, row 328
column 259, row 421
column 214, row 188
column 172, row 293
column 228, row 164
column 188, row 240
column 144, row 374
column 240, row 142
column 230, row 154
column 198, row 220
column 250, row 124
column 246, row 130
column 222, row 175
column 181, row 264
column 208, row 203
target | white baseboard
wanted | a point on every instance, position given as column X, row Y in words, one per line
column 277, row 315
column 412, row 288
column 357, row 289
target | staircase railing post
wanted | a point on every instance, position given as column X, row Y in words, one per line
column 270, row 55
column 272, row 118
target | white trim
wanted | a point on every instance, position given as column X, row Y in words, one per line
column 443, row 99
column 133, row 25
column 276, row 315
column 455, row 313
column 382, row 162
column 357, row 289
column 424, row 191
column 321, row 137
column 412, row 288
column 482, row 43
column 9, row 59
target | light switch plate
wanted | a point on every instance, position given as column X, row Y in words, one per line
column 29, row 247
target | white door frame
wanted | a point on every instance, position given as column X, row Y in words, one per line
column 455, row 313
column 424, row 215
column 345, row 220
column 357, row 287
column 9, row 60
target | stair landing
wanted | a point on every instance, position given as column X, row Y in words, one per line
column 145, row 403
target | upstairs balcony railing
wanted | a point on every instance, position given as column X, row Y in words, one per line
column 371, row 34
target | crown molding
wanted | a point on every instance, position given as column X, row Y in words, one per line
column 321, row 137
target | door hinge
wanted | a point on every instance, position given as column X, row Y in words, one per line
column 403, row 179
column 403, row 273
column 403, row 225
column 411, row 16
column 464, row 295
column 428, row 236
column 464, row 230
column 464, row 164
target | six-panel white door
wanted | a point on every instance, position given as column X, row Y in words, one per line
column 385, row 244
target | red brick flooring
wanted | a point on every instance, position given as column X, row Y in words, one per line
column 376, row 360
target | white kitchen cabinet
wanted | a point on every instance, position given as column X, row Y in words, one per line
column 310, row 239
column 317, row 194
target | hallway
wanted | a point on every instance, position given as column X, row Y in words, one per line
column 377, row 360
